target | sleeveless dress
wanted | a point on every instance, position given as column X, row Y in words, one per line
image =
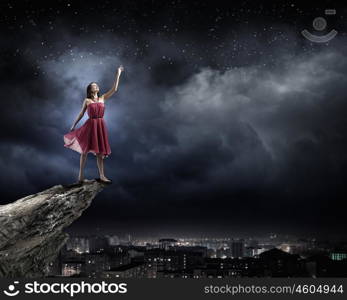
column 92, row 136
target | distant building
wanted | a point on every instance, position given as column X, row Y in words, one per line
column 294, row 247
column 97, row 243
column 167, row 243
column 277, row 263
column 158, row 260
column 113, row 240
column 252, row 251
column 72, row 263
column 72, row 268
column 132, row 270
column 223, row 252
column 96, row 263
column 237, row 248
column 228, row 267
column 321, row 265
column 251, row 248
column 78, row 244
column 338, row 254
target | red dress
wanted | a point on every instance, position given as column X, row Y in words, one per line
column 92, row 135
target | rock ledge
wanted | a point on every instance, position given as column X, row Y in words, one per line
column 31, row 228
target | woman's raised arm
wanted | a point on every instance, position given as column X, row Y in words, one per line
column 115, row 84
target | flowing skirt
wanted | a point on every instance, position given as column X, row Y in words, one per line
column 91, row 137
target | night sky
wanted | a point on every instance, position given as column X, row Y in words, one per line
column 227, row 119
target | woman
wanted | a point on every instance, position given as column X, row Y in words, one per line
column 92, row 135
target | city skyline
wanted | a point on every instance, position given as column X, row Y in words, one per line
column 96, row 256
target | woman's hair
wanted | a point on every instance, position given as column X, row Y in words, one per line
column 89, row 90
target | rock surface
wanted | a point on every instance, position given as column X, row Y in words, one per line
column 31, row 228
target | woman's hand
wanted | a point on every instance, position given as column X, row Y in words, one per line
column 120, row 70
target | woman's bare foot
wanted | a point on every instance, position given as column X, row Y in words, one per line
column 104, row 178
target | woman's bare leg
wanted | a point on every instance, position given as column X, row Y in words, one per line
column 83, row 159
column 100, row 162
